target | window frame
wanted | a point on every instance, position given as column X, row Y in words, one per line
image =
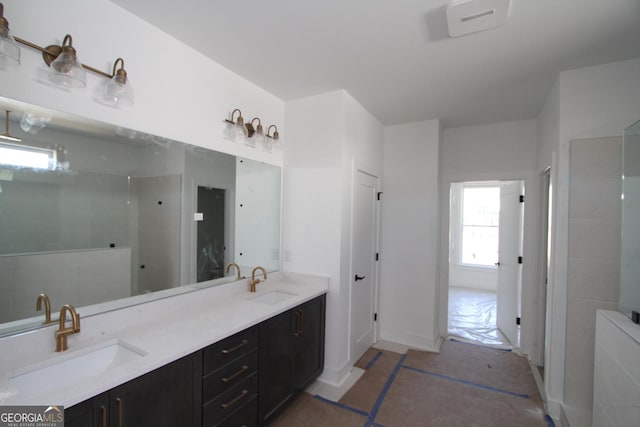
column 461, row 225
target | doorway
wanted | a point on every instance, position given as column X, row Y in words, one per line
column 485, row 271
column 363, row 283
column 210, row 233
column 538, row 355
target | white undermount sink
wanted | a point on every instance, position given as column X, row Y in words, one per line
column 74, row 367
column 273, row 297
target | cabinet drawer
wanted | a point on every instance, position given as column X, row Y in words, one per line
column 223, row 352
column 245, row 416
column 229, row 375
column 230, row 401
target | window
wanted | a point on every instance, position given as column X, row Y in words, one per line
column 26, row 157
column 480, row 225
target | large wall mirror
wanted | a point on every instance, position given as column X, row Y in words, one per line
column 630, row 254
column 101, row 217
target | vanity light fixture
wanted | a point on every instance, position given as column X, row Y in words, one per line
column 276, row 135
column 66, row 69
column 118, row 90
column 9, row 50
column 251, row 133
column 6, row 135
column 255, row 136
column 274, row 144
column 235, row 130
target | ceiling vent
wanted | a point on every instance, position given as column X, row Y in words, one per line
column 470, row 16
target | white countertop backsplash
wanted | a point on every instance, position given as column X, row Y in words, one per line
column 165, row 329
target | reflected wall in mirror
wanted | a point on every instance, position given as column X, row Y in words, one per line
column 111, row 213
column 630, row 254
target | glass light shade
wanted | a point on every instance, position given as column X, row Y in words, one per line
column 228, row 130
column 260, row 140
column 118, row 91
column 275, row 145
column 67, row 71
column 238, row 133
column 9, row 50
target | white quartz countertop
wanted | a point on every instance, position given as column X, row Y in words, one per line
column 160, row 332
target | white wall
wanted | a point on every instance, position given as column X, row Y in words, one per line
column 409, row 268
column 185, row 98
column 327, row 135
column 487, row 149
column 592, row 102
column 548, row 128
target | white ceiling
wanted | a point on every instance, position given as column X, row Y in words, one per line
column 395, row 57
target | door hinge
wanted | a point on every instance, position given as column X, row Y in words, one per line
column 379, row 194
column 375, row 317
column 519, row 260
column 522, row 198
column 517, row 320
column 377, row 256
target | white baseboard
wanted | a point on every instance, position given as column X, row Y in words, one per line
column 419, row 342
column 556, row 412
column 336, row 377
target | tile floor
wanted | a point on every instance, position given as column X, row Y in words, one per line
column 463, row 385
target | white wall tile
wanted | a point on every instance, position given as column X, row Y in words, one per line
column 596, row 158
column 594, row 239
column 594, row 279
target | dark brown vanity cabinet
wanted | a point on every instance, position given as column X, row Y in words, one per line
column 291, row 355
column 230, row 381
column 164, row 397
column 243, row 380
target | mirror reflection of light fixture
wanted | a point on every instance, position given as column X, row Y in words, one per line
column 118, row 90
column 66, row 70
column 234, row 130
column 9, row 50
column 6, row 135
column 32, row 122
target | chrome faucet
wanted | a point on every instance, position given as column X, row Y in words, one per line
column 253, row 282
column 233, row 264
column 47, row 308
column 63, row 333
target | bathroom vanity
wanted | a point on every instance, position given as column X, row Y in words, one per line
column 217, row 356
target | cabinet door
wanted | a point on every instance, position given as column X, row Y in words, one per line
column 308, row 354
column 93, row 412
column 163, row 397
column 276, row 348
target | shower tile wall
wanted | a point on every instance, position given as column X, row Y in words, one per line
column 594, row 259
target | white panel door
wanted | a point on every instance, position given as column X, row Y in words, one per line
column 363, row 269
column 509, row 270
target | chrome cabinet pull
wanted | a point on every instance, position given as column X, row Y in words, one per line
column 235, row 374
column 236, row 400
column 238, row 347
